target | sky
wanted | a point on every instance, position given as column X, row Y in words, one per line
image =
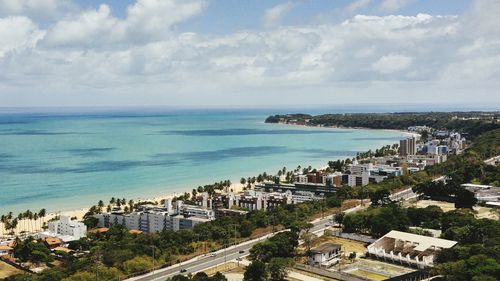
column 248, row 52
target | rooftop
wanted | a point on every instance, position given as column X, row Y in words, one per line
column 326, row 248
column 424, row 242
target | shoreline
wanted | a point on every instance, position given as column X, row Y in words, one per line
column 405, row 132
column 236, row 186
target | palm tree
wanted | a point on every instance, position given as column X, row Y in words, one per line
column 35, row 218
column 41, row 214
column 21, row 217
column 112, row 201
column 131, row 204
column 3, row 220
column 13, row 225
column 30, row 217
column 100, row 204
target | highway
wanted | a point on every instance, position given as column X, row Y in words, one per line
column 204, row 262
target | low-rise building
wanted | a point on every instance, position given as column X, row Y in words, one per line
column 52, row 242
column 65, row 229
column 325, row 254
column 5, row 250
column 484, row 193
column 223, row 213
column 407, row 248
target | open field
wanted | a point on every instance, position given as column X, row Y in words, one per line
column 7, row 270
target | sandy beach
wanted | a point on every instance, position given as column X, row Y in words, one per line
column 26, row 226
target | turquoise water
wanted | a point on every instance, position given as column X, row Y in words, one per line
column 67, row 160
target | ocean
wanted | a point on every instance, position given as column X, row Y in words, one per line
column 67, row 159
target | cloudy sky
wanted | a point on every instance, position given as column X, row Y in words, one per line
column 248, row 52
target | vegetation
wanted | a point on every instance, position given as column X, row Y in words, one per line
column 120, row 253
column 200, row 276
column 272, row 258
column 472, row 123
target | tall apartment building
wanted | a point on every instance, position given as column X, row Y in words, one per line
column 408, row 146
column 152, row 219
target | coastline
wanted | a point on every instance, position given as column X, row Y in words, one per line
column 404, row 132
column 33, row 226
column 79, row 212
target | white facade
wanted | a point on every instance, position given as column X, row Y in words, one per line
column 155, row 219
column 412, row 249
column 325, row 254
column 68, row 229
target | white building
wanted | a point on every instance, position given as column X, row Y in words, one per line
column 407, row 248
column 325, row 254
column 65, row 229
column 150, row 218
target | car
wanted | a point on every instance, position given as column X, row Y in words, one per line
column 241, row 252
column 183, row 270
column 213, row 254
column 239, row 259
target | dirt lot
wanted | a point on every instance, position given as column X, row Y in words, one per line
column 7, row 270
column 481, row 212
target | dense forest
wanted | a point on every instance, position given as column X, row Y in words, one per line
column 472, row 123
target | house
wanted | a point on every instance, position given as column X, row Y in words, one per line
column 52, row 242
column 135, row 232
column 409, row 249
column 325, row 254
column 5, row 250
column 63, row 249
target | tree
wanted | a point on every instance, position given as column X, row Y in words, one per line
column 138, row 264
column 218, row 277
column 256, row 271
column 179, row 278
column 200, row 276
column 278, row 268
column 339, row 217
column 380, row 197
column 243, row 181
column 352, row 256
column 465, row 199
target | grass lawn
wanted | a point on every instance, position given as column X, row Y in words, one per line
column 369, row 275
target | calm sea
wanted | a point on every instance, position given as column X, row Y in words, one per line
column 62, row 160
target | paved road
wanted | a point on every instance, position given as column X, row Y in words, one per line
column 201, row 263
column 204, row 262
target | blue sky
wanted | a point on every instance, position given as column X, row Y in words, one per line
column 237, row 52
column 223, row 16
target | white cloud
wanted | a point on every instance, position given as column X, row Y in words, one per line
column 89, row 28
column 358, row 5
column 17, row 34
column 394, row 5
column 93, row 54
column 392, row 63
column 273, row 16
column 34, row 8
column 147, row 20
